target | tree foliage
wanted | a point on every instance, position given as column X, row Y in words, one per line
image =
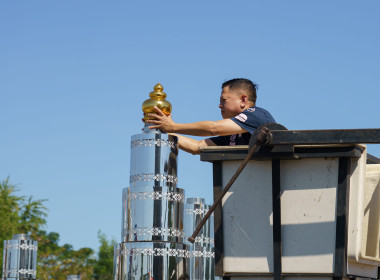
column 104, row 266
column 9, row 210
column 9, row 213
column 32, row 215
column 55, row 262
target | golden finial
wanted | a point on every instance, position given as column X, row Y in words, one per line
column 157, row 98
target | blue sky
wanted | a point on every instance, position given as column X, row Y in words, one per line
column 75, row 73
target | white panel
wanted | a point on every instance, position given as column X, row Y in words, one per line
column 247, row 221
column 361, row 194
column 308, row 206
column 308, row 210
column 355, row 217
column 371, row 220
column 251, row 278
column 308, row 216
column 285, row 278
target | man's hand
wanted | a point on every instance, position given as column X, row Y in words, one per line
column 161, row 121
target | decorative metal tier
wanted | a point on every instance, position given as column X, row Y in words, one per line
column 20, row 258
column 152, row 260
column 152, row 213
column 202, row 256
column 153, row 160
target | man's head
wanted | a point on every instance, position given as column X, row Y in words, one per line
column 237, row 95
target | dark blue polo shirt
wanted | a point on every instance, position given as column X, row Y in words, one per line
column 249, row 120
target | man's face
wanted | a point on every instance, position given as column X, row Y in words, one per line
column 230, row 103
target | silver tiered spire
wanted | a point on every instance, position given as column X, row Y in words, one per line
column 152, row 244
column 20, row 258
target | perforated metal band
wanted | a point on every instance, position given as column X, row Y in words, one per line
column 152, row 142
column 153, row 177
column 200, row 254
column 156, row 232
column 20, row 271
column 189, row 211
column 157, row 252
column 202, row 239
column 171, row 196
column 23, row 246
column 167, row 252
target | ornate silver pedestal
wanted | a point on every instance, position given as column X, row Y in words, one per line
column 202, row 260
column 73, row 277
column 152, row 213
column 20, row 258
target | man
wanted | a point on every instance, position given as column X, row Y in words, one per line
column 240, row 119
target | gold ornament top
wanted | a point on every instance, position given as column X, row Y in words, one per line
column 157, row 98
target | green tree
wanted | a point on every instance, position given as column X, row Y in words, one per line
column 32, row 215
column 9, row 210
column 9, row 213
column 56, row 262
column 48, row 252
column 18, row 215
column 104, row 266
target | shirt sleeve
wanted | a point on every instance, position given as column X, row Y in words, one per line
column 252, row 118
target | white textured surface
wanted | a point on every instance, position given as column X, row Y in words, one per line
column 308, row 216
column 286, row 278
column 247, row 218
column 361, row 193
column 308, row 206
column 371, row 219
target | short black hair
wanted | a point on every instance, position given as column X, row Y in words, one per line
column 245, row 85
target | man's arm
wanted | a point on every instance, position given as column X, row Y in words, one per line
column 191, row 145
column 203, row 128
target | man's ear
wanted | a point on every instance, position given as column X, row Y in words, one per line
column 243, row 100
